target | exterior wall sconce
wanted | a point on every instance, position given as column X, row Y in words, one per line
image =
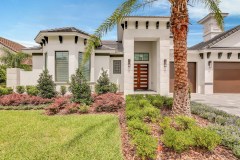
column 122, row 25
column 168, row 25
column 165, row 63
column 85, row 42
column 157, row 25
column 238, row 55
column 201, row 55
column 129, row 63
column 208, row 54
column 126, row 24
column 136, row 24
column 210, row 64
column 147, row 24
column 60, row 39
column 220, row 55
column 229, row 55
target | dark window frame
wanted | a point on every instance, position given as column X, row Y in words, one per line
column 141, row 53
column 117, row 70
column 67, row 78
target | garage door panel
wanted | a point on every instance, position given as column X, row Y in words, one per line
column 226, row 77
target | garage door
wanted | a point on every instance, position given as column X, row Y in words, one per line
column 191, row 76
column 226, row 77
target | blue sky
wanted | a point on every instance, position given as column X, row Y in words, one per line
column 21, row 20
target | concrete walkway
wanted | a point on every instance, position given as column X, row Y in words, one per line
column 229, row 103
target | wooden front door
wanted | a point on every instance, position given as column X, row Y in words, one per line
column 140, row 76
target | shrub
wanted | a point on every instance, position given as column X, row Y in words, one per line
column 3, row 76
column 168, row 102
column 19, row 99
column 165, row 123
column 46, row 86
column 104, row 85
column 221, row 120
column 185, row 122
column 9, row 90
column 108, row 102
column 81, row 91
column 145, row 145
column 58, row 105
column 137, row 124
column 151, row 112
column 206, row 138
column 63, row 90
column 67, row 108
column 32, row 90
column 20, row 89
column 83, row 109
column 3, row 91
column 178, row 140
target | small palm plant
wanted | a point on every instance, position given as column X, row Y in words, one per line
column 179, row 22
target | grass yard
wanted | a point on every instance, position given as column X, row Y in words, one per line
column 32, row 135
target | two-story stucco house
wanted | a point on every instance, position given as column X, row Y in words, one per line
column 140, row 60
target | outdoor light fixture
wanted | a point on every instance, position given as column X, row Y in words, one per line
column 122, row 25
column 126, row 24
column 147, row 24
column 85, row 42
column 238, row 55
column 229, row 55
column 129, row 63
column 165, row 63
column 208, row 54
column 168, row 25
column 219, row 55
column 210, row 64
column 136, row 24
column 157, row 25
column 201, row 55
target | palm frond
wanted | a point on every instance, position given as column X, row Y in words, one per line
column 123, row 10
column 214, row 7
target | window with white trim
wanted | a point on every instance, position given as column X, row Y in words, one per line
column 61, row 66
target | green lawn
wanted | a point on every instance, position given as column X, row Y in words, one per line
column 32, row 135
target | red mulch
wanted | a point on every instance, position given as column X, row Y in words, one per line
column 164, row 153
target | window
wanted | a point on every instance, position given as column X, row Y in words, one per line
column 116, row 66
column 46, row 60
column 61, row 67
column 141, row 57
column 86, row 66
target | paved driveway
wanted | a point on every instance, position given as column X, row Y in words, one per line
column 227, row 102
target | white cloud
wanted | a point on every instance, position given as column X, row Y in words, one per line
column 27, row 43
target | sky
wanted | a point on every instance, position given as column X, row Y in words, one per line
column 21, row 20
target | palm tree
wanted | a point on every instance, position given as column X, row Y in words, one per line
column 179, row 22
column 15, row 60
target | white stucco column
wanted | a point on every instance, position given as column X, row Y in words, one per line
column 163, row 48
column 128, row 69
column 208, row 76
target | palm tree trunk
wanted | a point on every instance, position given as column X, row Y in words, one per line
column 179, row 28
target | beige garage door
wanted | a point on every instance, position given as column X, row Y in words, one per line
column 226, row 77
column 191, row 76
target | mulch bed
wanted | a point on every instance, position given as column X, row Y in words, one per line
column 164, row 153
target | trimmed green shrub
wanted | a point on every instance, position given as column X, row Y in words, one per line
column 221, row 120
column 178, row 140
column 46, row 86
column 3, row 91
column 137, row 124
column 104, row 85
column 168, row 102
column 32, row 90
column 206, row 138
column 3, row 74
column 9, row 90
column 146, row 145
column 81, row 91
column 83, row 109
column 165, row 123
column 20, row 89
column 185, row 122
column 63, row 90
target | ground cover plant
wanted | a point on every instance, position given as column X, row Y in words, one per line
column 21, row 99
column 32, row 135
column 226, row 125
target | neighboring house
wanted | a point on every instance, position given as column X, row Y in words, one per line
column 140, row 60
column 10, row 45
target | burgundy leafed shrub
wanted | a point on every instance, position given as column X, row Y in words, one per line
column 109, row 102
column 62, row 106
column 20, row 99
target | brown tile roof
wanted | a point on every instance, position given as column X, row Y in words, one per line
column 111, row 45
column 16, row 47
column 66, row 29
